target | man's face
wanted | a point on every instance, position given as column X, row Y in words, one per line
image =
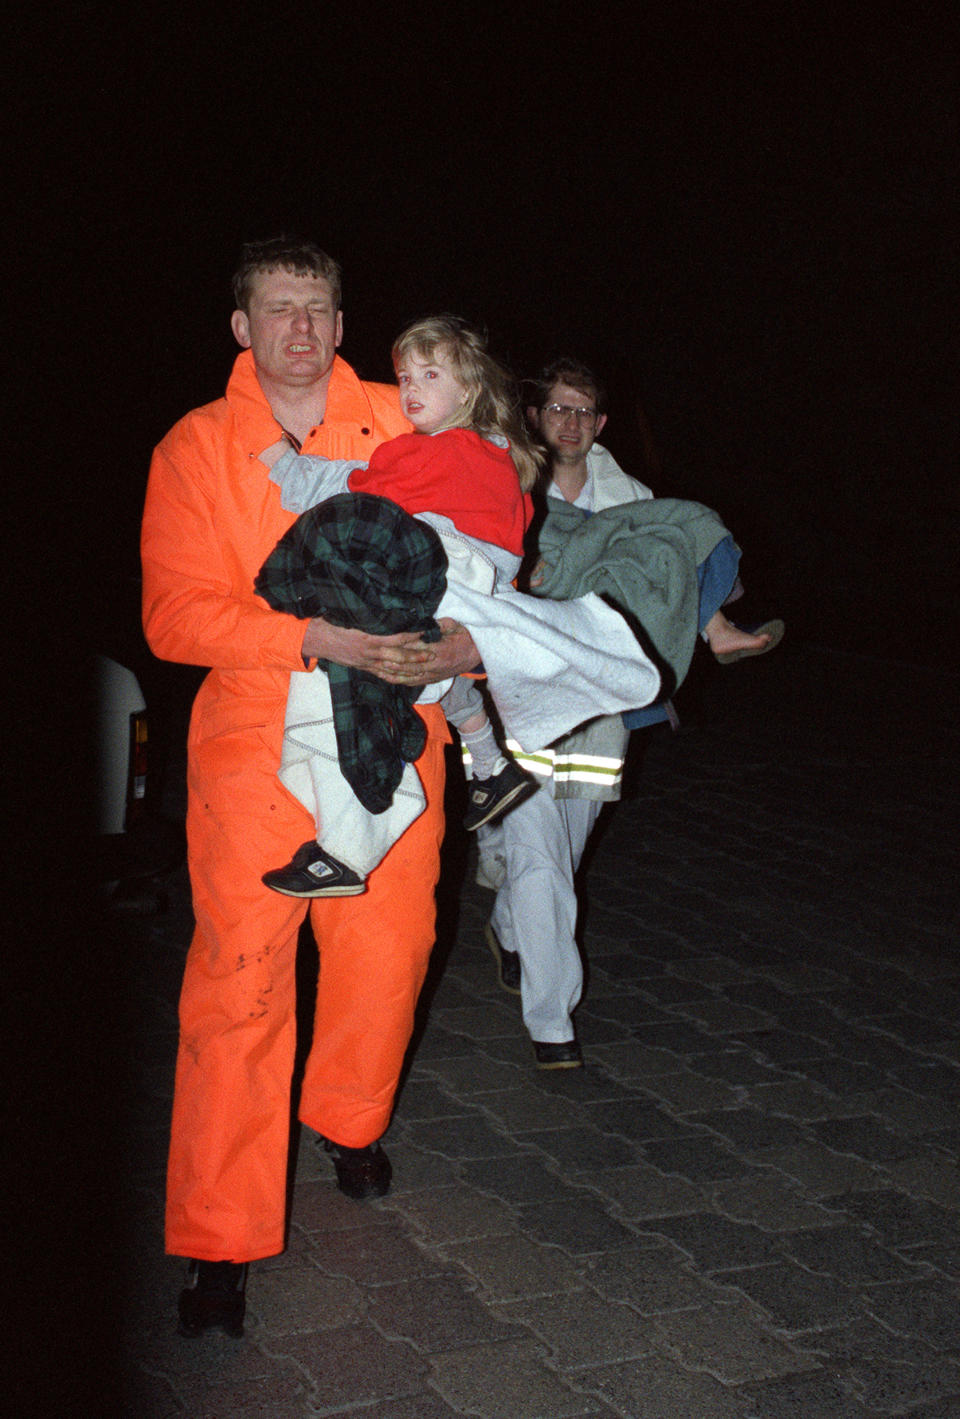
column 569, row 433
column 292, row 327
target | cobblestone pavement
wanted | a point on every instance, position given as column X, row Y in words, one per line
column 746, row 1206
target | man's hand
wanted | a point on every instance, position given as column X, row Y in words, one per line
column 403, row 659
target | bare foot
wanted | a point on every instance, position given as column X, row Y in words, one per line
column 724, row 638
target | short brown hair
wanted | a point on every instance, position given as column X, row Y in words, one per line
column 303, row 258
column 575, row 373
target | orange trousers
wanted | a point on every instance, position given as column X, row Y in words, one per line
column 227, row 1175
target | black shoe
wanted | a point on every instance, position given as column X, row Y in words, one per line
column 214, row 1298
column 567, row 1054
column 361, row 1172
column 508, row 962
column 314, row 873
column 489, row 798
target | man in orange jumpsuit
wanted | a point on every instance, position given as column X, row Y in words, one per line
column 212, row 515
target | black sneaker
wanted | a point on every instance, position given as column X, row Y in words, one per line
column 565, row 1054
column 361, row 1172
column 489, row 798
column 213, row 1299
column 508, row 962
column 314, row 873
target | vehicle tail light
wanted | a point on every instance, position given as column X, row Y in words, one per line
column 137, row 779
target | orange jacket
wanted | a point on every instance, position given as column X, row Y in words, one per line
column 212, row 515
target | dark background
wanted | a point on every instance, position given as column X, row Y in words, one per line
column 743, row 214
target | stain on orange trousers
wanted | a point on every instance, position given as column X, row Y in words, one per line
column 227, row 1176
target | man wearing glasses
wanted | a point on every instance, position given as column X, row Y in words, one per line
column 532, row 856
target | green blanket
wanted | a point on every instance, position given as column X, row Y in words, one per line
column 641, row 556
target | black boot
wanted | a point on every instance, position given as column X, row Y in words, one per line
column 361, row 1172
column 214, row 1297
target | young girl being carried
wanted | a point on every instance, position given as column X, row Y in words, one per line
column 466, row 471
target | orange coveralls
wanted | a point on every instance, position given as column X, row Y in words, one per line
column 212, row 515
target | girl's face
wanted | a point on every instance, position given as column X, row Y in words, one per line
column 430, row 393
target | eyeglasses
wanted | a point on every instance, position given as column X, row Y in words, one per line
column 563, row 412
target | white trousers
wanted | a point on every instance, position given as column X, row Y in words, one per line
column 535, row 912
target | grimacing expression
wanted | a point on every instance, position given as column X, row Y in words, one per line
column 430, row 393
column 292, row 326
column 567, row 436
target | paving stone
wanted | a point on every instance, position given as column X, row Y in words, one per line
column 652, row 1279
column 582, row 1086
column 795, row 1099
column 845, row 1076
column 772, row 1202
column 901, row 1220
column 637, row 1117
column 572, row 1149
column 439, row 1313
column 375, row 1256
column 461, row 1137
column 936, row 1079
column 523, row 1110
column 716, row 1243
column 824, row 1174
column 453, row 1214
column 795, row 1299
column 297, row 1300
column 424, row 1099
column 697, row 1159
column 519, row 1179
column 864, row 1339
column 669, row 990
column 422, row 1405
column 928, row 1310
column 738, row 1067
column 947, row 1407
column 653, row 1388
column 785, row 1047
column 579, row 1225
column 897, row 1389
column 808, row 1396
column 643, row 1191
column 715, row 970
column 354, row 1365
column 582, row 1329
column 729, row 1344
column 509, row 1267
column 862, row 1137
column 626, row 1008
column 414, row 1168
column 750, row 1131
column 689, row 1091
column 481, row 1022
column 636, row 1061
column 844, row 1253
column 918, row 1115
column 467, row 1076
column 321, row 1207
column 524, row 1387
column 677, row 1037
column 723, row 1017
column 937, row 1179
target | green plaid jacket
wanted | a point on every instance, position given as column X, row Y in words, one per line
column 361, row 561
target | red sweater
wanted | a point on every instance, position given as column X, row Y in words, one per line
column 457, row 474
